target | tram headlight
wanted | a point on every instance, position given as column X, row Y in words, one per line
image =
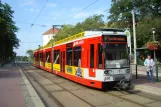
column 106, row 72
column 110, row 72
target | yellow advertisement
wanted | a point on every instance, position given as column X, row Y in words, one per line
column 48, row 65
column 79, row 35
column 56, row 67
column 41, row 63
column 76, row 71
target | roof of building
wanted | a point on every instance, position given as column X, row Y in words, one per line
column 51, row 31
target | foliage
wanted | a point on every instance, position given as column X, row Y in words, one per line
column 147, row 15
column 8, row 39
column 89, row 23
column 25, row 58
column 30, row 53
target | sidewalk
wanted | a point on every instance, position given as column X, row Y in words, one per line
column 15, row 89
column 143, row 84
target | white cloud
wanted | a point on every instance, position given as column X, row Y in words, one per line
column 27, row 2
column 88, row 13
column 51, row 4
column 33, row 10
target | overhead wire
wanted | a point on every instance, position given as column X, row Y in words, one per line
column 27, row 23
column 82, row 10
column 32, row 24
column 37, row 16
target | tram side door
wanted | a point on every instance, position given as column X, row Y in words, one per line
column 92, row 60
column 62, row 61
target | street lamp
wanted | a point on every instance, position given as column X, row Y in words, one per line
column 155, row 61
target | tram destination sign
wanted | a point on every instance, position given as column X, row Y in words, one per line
column 114, row 38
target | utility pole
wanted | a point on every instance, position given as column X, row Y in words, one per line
column 134, row 35
column 39, row 55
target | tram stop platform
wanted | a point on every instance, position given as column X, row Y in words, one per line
column 141, row 83
column 16, row 90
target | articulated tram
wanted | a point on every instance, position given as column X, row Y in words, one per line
column 97, row 58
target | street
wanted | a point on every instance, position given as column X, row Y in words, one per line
column 59, row 92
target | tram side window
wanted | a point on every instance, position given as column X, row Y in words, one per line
column 41, row 57
column 92, row 56
column 69, row 56
column 37, row 57
column 34, row 57
column 56, row 56
column 48, row 56
column 99, row 56
column 77, row 56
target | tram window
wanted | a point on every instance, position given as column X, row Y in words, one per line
column 48, row 56
column 69, row 56
column 77, row 56
column 92, row 56
column 99, row 56
column 34, row 57
column 57, row 56
column 41, row 57
column 37, row 57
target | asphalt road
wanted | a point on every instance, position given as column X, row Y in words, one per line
column 56, row 91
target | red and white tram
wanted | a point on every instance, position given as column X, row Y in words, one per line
column 97, row 58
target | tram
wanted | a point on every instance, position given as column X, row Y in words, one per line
column 96, row 58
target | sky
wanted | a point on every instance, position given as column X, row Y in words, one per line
column 55, row 12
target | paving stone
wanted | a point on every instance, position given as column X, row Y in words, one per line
column 154, row 104
column 95, row 100
column 69, row 100
column 53, row 87
column 126, row 104
column 138, row 99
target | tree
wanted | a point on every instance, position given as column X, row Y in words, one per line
column 89, row 23
column 8, row 39
column 30, row 53
column 147, row 14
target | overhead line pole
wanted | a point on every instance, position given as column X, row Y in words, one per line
column 134, row 37
column 52, row 61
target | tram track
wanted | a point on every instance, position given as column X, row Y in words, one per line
column 123, row 93
column 58, row 102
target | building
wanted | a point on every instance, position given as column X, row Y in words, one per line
column 48, row 35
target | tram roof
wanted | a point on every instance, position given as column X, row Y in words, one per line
column 88, row 33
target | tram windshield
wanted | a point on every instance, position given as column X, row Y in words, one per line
column 116, row 55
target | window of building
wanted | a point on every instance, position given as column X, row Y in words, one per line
column 99, row 56
column 69, row 56
column 91, row 55
column 56, row 56
column 77, row 56
column 48, row 57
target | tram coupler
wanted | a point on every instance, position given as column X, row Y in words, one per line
column 123, row 85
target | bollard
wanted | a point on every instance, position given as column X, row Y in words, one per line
column 156, row 73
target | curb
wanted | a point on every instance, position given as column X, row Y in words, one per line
column 34, row 96
column 148, row 89
column 144, row 73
